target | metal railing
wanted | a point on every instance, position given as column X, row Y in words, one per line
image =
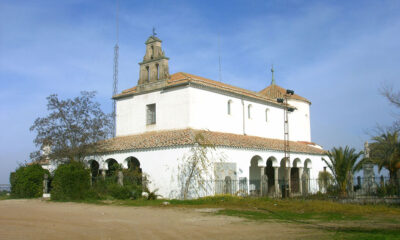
column 360, row 188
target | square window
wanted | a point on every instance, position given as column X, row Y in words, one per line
column 151, row 114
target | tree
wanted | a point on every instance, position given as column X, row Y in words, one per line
column 394, row 98
column 343, row 164
column 194, row 170
column 72, row 127
column 385, row 152
column 325, row 180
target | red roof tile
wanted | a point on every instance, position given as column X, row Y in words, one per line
column 184, row 137
column 274, row 91
column 181, row 77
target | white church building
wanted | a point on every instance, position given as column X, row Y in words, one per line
column 157, row 121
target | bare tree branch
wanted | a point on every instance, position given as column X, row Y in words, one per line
column 72, row 127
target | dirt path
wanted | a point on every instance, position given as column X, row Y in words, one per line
column 36, row 219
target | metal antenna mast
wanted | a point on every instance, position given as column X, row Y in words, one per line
column 115, row 74
column 286, row 109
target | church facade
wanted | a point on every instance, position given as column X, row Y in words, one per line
column 157, row 122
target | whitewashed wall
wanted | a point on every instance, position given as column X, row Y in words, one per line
column 299, row 121
column 172, row 109
column 161, row 165
column 209, row 110
column 190, row 107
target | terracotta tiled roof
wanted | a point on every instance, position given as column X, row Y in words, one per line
column 181, row 78
column 274, row 91
column 184, row 137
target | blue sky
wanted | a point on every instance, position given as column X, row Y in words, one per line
column 335, row 53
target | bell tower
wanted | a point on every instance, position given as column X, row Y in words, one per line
column 154, row 71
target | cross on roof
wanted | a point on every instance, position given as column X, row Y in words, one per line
column 154, row 31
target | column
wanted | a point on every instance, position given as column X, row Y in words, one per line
column 103, row 173
column 120, row 178
column 91, row 178
column 262, row 181
column 276, row 181
column 300, row 181
column 288, row 181
column 45, row 183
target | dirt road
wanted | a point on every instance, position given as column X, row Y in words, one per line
column 36, row 219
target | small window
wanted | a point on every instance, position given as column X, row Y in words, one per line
column 266, row 114
column 230, row 107
column 151, row 114
column 249, row 111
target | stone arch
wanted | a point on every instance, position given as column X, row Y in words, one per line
column 112, row 167
column 255, row 173
column 308, row 164
column 94, row 167
column 297, row 163
column 283, row 173
column 134, row 173
column 132, row 162
column 295, row 175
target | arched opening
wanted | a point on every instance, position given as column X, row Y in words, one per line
column 306, row 176
column 255, row 174
column 134, row 172
column 132, row 163
column 152, row 52
column 148, row 74
column 270, row 172
column 295, row 176
column 113, row 167
column 283, row 173
column 158, row 71
column 307, row 166
column 94, row 168
column 229, row 107
column 266, row 114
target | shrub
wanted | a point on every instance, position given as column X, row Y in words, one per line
column 119, row 192
column 27, row 181
column 71, row 182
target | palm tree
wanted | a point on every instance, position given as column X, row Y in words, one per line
column 343, row 164
column 385, row 152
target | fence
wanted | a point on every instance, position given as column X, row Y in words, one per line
column 361, row 187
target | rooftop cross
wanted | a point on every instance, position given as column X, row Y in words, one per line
column 154, row 31
column 273, row 79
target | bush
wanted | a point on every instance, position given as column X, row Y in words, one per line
column 108, row 187
column 119, row 192
column 27, row 181
column 71, row 182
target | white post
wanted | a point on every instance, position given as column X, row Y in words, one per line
column 276, row 181
column 300, row 181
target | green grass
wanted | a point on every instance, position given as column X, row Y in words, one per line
column 288, row 216
column 366, row 234
column 281, row 209
column 4, row 196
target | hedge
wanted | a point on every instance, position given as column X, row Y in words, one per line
column 27, row 181
column 71, row 182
